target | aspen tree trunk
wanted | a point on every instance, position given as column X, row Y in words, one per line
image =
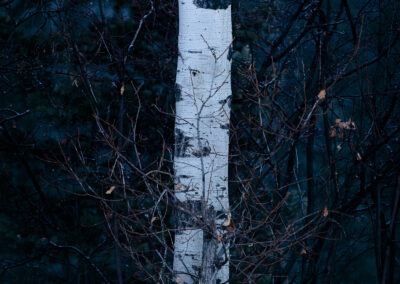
column 203, row 93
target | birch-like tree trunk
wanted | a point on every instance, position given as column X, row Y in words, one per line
column 203, row 93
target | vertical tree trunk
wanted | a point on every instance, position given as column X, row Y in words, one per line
column 203, row 92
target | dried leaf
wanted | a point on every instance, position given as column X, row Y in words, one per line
column 349, row 125
column 178, row 187
column 230, row 229
column 332, row 132
column 109, row 216
column 219, row 238
column 326, row 212
column 153, row 219
column 110, row 190
column 342, row 125
column 180, row 279
column 339, row 148
column 244, row 196
column 228, row 220
column 303, row 251
column 322, row 94
column 122, row 90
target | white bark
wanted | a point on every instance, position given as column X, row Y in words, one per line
column 203, row 86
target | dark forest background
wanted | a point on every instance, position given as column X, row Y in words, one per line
column 87, row 138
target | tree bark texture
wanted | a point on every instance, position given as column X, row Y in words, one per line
column 203, row 93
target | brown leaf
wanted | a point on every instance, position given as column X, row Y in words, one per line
column 349, row 125
column 326, row 212
column 219, row 238
column 322, row 94
column 228, row 220
column 180, row 279
column 244, row 196
column 178, row 187
column 332, row 132
column 122, row 90
column 109, row 216
column 110, row 190
column 230, row 229
column 303, row 251
column 153, row 219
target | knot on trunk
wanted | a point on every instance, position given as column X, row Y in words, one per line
column 212, row 4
